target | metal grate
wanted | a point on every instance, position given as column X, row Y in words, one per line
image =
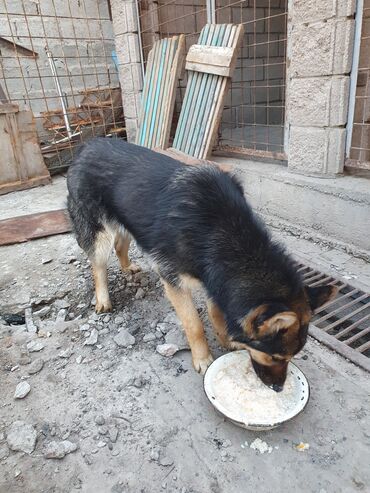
column 254, row 114
column 358, row 152
column 57, row 59
column 344, row 323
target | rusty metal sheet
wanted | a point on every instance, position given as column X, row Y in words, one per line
column 32, row 226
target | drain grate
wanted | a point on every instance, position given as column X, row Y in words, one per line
column 344, row 323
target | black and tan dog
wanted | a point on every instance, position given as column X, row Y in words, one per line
column 195, row 223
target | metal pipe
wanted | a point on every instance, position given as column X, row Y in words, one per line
column 60, row 93
column 354, row 74
column 211, row 11
column 140, row 40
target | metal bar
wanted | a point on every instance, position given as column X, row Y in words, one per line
column 60, row 93
column 364, row 347
column 347, row 330
column 354, row 74
column 140, row 39
column 346, row 317
column 333, row 302
column 354, row 338
column 340, row 309
column 211, row 11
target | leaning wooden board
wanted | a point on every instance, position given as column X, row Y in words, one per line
column 21, row 163
column 210, row 65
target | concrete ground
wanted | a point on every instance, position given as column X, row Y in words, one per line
column 132, row 420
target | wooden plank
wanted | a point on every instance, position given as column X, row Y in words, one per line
column 190, row 160
column 32, row 226
column 16, row 186
column 8, row 108
column 215, row 60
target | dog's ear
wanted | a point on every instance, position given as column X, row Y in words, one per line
column 318, row 296
column 269, row 319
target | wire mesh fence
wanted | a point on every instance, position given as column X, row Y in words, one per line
column 57, row 59
column 254, row 114
column 359, row 153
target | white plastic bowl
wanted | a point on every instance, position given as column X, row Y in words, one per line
column 232, row 404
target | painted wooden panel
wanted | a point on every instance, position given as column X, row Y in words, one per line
column 164, row 65
column 205, row 92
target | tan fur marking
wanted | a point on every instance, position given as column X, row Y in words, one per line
column 182, row 302
column 283, row 320
column 218, row 323
column 103, row 303
column 122, row 245
column 247, row 322
column 189, row 283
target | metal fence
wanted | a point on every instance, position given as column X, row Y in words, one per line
column 358, row 143
column 57, row 59
column 254, row 114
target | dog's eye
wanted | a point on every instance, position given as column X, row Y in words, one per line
column 283, row 331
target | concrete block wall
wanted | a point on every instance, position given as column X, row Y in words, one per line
column 320, row 42
column 125, row 25
column 80, row 37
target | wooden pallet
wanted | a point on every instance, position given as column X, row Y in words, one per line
column 210, row 65
column 164, row 65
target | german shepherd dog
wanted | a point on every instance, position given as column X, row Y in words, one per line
column 197, row 226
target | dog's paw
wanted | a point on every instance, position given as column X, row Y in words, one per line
column 201, row 364
column 103, row 306
column 133, row 268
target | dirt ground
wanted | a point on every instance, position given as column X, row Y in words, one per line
column 123, row 418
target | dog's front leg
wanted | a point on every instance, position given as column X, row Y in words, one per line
column 182, row 302
column 218, row 323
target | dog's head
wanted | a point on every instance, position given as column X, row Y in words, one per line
column 274, row 332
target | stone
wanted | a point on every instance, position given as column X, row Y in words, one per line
column 171, row 318
column 58, row 450
column 101, row 444
column 163, row 327
column 124, row 339
column 177, row 337
column 61, row 304
column 31, row 327
column 92, row 339
column 42, row 312
column 61, row 315
column 21, row 437
column 316, row 150
column 140, row 293
column 99, row 420
column 67, row 353
column 22, row 389
column 35, row 346
column 4, row 451
column 79, row 359
column 322, row 48
column 113, row 434
column 149, row 337
column 84, row 327
column 46, row 260
column 313, row 11
column 167, row 350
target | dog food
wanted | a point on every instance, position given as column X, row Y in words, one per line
column 238, row 388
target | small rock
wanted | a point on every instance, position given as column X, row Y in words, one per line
column 35, row 366
column 58, row 450
column 31, row 327
column 167, row 350
column 118, row 320
column 154, row 454
column 163, row 327
column 171, row 318
column 101, row 444
column 92, row 339
column 67, row 353
column 140, row 293
column 99, row 420
column 4, row 451
column 177, row 337
column 103, row 430
column 84, row 327
column 46, row 260
column 165, row 461
column 61, row 304
column 124, row 339
column 22, row 389
column 35, row 346
column 21, row 437
column 149, row 337
column 79, row 359
column 113, row 434
column 106, row 319
column 42, row 312
column 17, row 472
column 61, row 315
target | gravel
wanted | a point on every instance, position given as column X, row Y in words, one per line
column 21, row 437
column 58, row 450
column 92, row 339
column 22, row 389
column 124, row 339
column 35, row 346
column 35, row 366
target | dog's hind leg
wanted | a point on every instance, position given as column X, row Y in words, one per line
column 122, row 244
column 99, row 260
column 182, row 302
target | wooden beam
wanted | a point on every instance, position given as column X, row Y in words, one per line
column 217, row 60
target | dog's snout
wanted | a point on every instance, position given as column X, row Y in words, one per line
column 276, row 387
column 272, row 375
